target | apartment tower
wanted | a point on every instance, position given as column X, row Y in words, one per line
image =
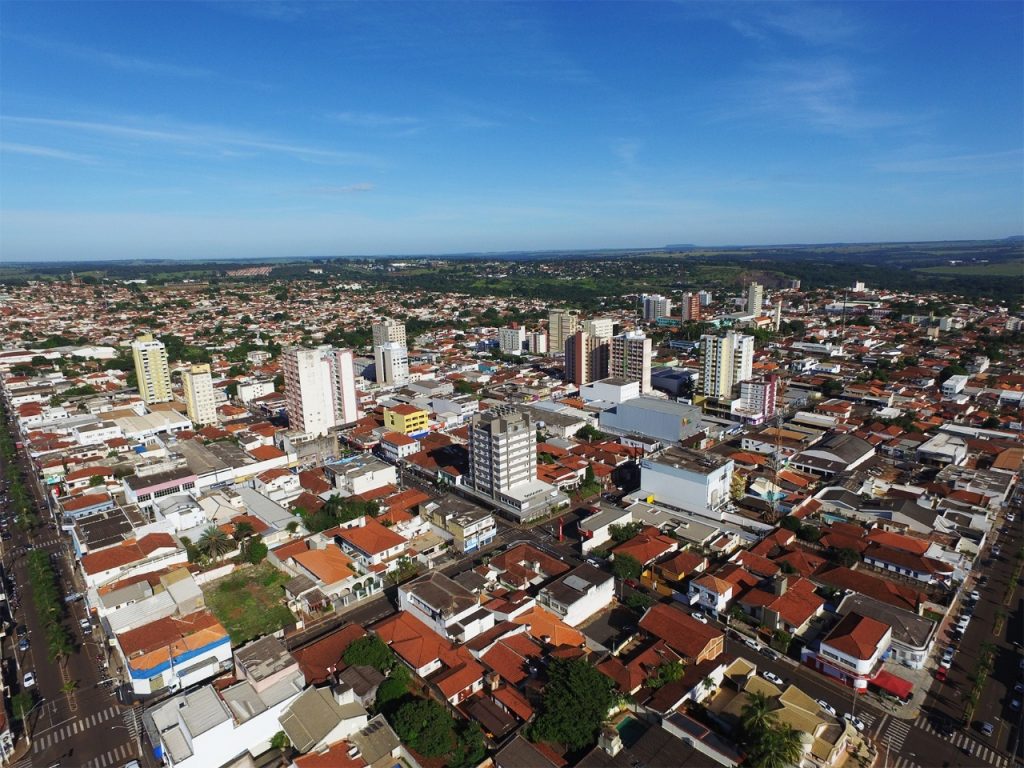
column 562, row 323
column 199, row 401
column 320, row 389
column 502, row 450
column 630, row 358
column 151, row 369
column 725, row 362
column 755, row 299
column 390, row 331
column 586, row 358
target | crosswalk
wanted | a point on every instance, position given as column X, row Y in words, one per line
column 895, row 732
column 962, row 740
column 117, row 756
column 56, row 735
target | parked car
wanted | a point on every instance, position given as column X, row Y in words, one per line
column 1015, row 704
column 28, row 680
column 771, row 677
column 700, row 617
column 827, row 707
column 987, row 729
column 751, row 643
column 768, row 652
column 1018, row 688
column 1010, row 517
column 856, row 722
column 996, row 551
column 86, row 625
column 975, row 595
column 940, row 674
column 946, row 663
column 23, row 644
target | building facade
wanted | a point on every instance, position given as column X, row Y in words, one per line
column 655, row 306
column 586, row 358
column 392, row 364
column 562, row 323
column 151, row 369
column 755, row 299
column 725, row 361
column 199, row 401
column 630, row 358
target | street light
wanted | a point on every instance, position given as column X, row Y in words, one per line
column 28, row 724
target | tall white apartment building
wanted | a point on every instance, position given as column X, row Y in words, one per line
column 392, row 364
column 599, row 327
column 199, row 401
column 511, row 340
column 502, row 451
column 630, row 358
column 562, row 323
column 319, row 388
column 757, row 400
column 706, row 297
column 656, row 306
column 389, row 331
column 346, row 405
column 151, row 369
column 755, row 299
column 726, row 361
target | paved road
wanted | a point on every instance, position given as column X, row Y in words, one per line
column 87, row 728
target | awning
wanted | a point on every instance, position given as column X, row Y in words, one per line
column 890, row 683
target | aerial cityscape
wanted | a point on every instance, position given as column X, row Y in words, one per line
column 534, row 385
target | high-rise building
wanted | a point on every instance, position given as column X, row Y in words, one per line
column 757, row 398
column 392, row 364
column 725, row 362
column 308, row 390
column 755, row 298
column 562, row 323
column 690, row 306
column 586, row 358
column 342, row 364
column 199, row 402
column 388, row 331
column 706, row 298
column 320, row 390
column 502, row 450
column 511, row 340
column 151, row 369
column 630, row 358
column 656, row 306
column 599, row 327
column 777, row 317
column 537, row 342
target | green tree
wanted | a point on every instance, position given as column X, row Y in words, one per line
column 845, row 556
column 622, row 533
column 426, row 726
column 667, row 672
column 369, row 651
column 470, row 749
column 626, row 567
column 575, row 704
column 215, row 543
column 778, row 747
column 809, row 533
column 756, row 715
column 21, row 704
column 255, row 551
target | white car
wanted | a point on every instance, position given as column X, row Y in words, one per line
column 856, row 722
column 827, row 707
column 751, row 643
column 700, row 617
column 28, row 680
column 86, row 625
column 1010, row 517
column 946, row 663
column 975, row 595
column 771, row 677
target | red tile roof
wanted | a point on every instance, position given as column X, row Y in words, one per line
column 680, row 631
column 316, row 658
column 857, row 636
column 371, row 538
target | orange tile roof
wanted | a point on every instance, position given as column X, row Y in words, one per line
column 266, row 452
column 857, row 636
column 335, row 756
column 328, row 565
column 412, row 640
column 544, row 624
column 318, row 657
column 372, row 538
column 683, row 633
column 140, row 642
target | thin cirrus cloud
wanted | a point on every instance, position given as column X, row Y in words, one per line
column 377, row 120
column 808, row 23
column 109, row 58
column 34, row 150
column 224, row 141
column 340, row 189
column 986, row 162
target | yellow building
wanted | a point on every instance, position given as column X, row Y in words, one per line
column 199, row 399
column 151, row 369
column 406, row 419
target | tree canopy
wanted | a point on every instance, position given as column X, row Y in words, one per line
column 369, row 651
column 576, row 701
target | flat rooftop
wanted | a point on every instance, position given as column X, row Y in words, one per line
column 691, row 460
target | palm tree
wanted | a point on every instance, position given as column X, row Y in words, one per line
column 779, row 747
column 756, row 715
column 215, row 542
column 243, row 530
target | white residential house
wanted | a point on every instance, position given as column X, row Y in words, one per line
column 444, row 605
column 578, row 594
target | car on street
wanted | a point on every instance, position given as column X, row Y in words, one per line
column 1015, row 705
column 946, row 663
column 86, row 625
column 855, row 721
column 23, row 644
column 1010, row 517
column 751, row 643
column 996, row 551
column 22, row 631
column 827, row 707
column 975, row 595
column 940, row 674
column 700, row 617
column 1018, row 688
column 771, row 677
column 633, row 583
column 987, row 729
column 28, row 680
column 768, row 652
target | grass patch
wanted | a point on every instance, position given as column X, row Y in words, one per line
column 249, row 602
column 936, row 617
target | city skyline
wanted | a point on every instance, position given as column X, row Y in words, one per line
column 245, row 130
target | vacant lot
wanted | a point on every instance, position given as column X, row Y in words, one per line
column 249, row 602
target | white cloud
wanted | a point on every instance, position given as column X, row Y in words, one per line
column 48, row 152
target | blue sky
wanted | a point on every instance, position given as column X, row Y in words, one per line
column 235, row 129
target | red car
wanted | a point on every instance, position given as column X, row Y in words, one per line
column 940, row 674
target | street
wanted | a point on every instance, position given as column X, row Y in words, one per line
column 76, row 719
